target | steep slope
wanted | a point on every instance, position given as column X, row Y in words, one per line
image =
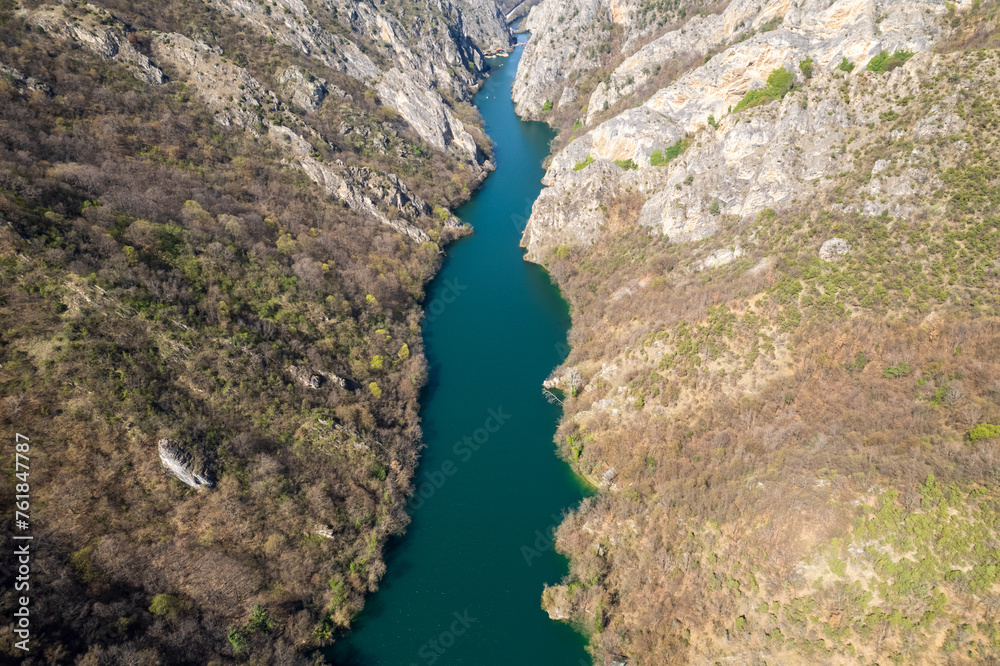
column 784, row 278
column 216, row 221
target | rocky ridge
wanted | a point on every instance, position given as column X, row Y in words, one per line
column 417, row 62
column 240, row 100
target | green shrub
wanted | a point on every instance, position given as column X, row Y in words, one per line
column 260, row 619
column 884, row 62
column 984, row 431
column 628, row 164
column 714, row 207
column 846, row 65
column 713, row 122
column 547, row 106
column 896, row 371
column 584, row 164
column 662, row 157
column 238, row 639
column 888, row 116
column 778, row 84
column 164, row 604
column 806, row 67
column 339, row 592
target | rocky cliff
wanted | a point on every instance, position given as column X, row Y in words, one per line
column 238, row 99
column 775, row 223
column 486, row 25
column 750, row 166
column 410, row 83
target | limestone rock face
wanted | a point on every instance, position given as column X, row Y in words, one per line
column 633, row 135
column 430, row 52
column 422, row 109
column 720, row 257
column 834, row 249
column 699, row 36
column 340, row 183
column 290, row 22
column 486, row 25
column 568, row 36
column 551, row 52
column 571, row 213
column 108, row 40
column 757, row 158
column 181, row 465
column 814, row 29
column 440, row 39
column 424, row 49
column 307, row 92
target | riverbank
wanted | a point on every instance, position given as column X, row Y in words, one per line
column 463, row 586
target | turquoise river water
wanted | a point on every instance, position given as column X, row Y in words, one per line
column 464, row 584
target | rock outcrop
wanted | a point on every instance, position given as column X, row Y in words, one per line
column 421, row 108
column 241, row 101
column 486, row 25
column 557, row 46
column 426, row 52
column 438, row 51
column 25, row 83
column 181, row 464
column 750, row 160
column 101, row 33
column 306, row 91
column 834, row 249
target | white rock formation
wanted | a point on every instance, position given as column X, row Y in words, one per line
column 422, row 109
column 108, row 40
column 306, row 91
column 834, row 249
column 757, row 158
column 180, row 464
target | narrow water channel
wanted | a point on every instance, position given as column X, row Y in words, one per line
column 464, row 585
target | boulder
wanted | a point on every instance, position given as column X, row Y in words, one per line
column 834, row 249
column 306, row 91
column 181, row 464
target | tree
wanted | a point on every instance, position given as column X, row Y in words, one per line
column 164, row 604
column 574, row 382
column 806, row 67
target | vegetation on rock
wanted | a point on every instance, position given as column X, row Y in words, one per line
column 779, row 82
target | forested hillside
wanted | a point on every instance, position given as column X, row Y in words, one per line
column 216, row 223
column 783, row 257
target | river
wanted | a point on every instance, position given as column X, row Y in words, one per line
column 464, row 584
